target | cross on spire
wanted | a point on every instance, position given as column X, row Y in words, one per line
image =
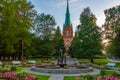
column 67, row 2
column 67, row 19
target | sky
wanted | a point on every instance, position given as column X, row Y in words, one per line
column 57, row 8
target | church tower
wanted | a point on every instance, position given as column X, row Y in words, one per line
column 67, row 29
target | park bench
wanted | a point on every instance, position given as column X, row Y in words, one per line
column 32, row 61
column 16, row 62
column 110, row 64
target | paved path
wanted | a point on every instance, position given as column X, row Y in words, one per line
column 56, row 77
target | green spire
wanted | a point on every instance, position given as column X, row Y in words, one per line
column 67, row 17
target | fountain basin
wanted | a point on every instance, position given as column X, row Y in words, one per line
column 59, row 70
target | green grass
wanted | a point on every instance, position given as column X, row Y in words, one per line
column 84, row 60
column 40, row 77
column 101, row 61
column 109, row 72
column 73, row 77
column 19, row 69
column 69, row 77
column 96, row 61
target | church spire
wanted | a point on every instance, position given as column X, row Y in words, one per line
column 67, row 17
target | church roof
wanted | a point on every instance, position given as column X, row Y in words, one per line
column 67, row 17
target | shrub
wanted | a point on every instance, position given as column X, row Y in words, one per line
column 3, row 65
column 22, row 75
column 24, row 64
column 102, row 72
column 13, row 68
column 116, row 74
column 89, row 77
column 3, row 70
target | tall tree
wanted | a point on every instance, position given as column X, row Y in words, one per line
column 44, row 25
column 16, row 16
column 44, row 29
column 87, row 42
column 58, row 40
column 112, row 30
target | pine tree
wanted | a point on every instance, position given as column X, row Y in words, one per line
column 58, row 40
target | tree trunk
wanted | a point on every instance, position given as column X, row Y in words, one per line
column 21, row 51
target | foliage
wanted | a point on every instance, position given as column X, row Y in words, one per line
column 41, row 77
column 3, row 70
column 58, row 40
column 43, row 43
column 3, row 65
column 88, row 77
column 15, row 23
column 112, row 30
column 44, row 25
column 87, row 41
column 102, row 72
column 22, row 75
column 116, row 74
column 13, row 68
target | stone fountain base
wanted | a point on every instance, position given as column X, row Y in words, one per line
column 62, row 70
column 71, row 61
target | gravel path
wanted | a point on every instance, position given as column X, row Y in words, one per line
column 56, row 77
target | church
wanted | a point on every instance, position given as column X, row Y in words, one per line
column 67, row 29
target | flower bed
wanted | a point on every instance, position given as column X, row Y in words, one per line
column 14, row 76
column 110, row 77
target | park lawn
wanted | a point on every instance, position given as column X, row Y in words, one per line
column 101, row 61
column 40, row 77
column 19, row 69
column 96, row 61
column 69, row 77
column 73, row 77
column 83, row 60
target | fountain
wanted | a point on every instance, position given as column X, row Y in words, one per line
column 61, row 59
column 65, row 65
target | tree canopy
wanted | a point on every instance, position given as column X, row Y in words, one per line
column 112, row 30
column 15, row 22
column 87, row 41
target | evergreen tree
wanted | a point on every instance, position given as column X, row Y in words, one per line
column 87, row 42
column 58, row 40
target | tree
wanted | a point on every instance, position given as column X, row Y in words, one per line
column 87, row 42
column 112, row 30
column 58, row 40
column 44, row 29
column 16, row 17
column 44, row 25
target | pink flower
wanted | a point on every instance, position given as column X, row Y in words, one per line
column 96, row 79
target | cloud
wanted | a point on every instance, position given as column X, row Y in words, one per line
column 73, row 1
column 100, row 19
column 75, row 24
column 63, row 3
column 100, row 12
